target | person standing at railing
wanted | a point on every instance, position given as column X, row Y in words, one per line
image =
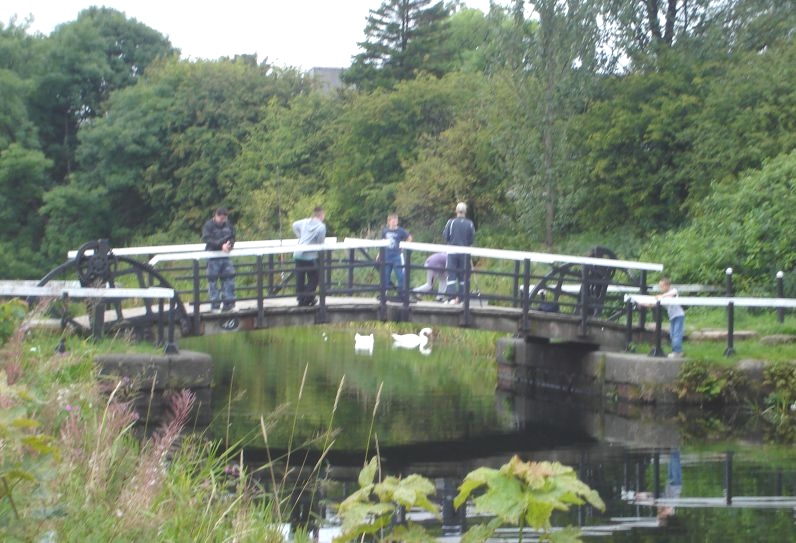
column 458, row 231
column 676, row 317
column 393, row 255
column 219, row 235
column 310, row 231
column 435, row 271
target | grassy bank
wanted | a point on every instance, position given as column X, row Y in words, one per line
column 75, row 467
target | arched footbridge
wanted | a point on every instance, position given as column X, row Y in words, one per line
column 541, row 296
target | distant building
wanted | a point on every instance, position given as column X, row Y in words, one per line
column 327, row 79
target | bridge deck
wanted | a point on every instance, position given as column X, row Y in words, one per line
column 278, row 312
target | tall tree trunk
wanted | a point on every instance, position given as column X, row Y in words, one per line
column 548, row 28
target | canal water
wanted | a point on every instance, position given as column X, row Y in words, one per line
column 439, row 414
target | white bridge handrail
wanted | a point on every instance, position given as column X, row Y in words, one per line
column 192, row 247
column 544, row 258
column 23, row 288
column 354, row 243
column 712, row 301
column 267, row 250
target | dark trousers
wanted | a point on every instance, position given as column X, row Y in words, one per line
column 306, row 281
column 455, row 269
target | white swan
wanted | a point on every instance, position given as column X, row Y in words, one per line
column 363, row 344
column 411, row 341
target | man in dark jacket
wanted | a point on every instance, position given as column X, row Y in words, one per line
column 219, row 235
column 458, row 231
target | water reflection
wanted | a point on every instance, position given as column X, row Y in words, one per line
column 440, row 416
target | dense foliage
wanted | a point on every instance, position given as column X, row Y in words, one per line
column 602, row 120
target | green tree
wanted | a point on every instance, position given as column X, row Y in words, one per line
column 23, row 178
column 19, row 51
column 280, row 173
column 376, row 137
column 745, row 223
column 24, row 170
column 154, row 164
column 551, row 58
column 749, row 115
column 461, row 163
column 645, row 28
column 400, row 37
column 632, row 143
column 85, row 61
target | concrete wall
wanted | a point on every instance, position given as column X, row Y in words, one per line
column 525, row 366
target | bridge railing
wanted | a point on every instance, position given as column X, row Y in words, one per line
column 352, row 268
column 69, row 290
column 153, row 250
column 729, row 302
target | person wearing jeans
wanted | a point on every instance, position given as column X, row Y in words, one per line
column 676, row 317
column 393, row 255
column 219, row 235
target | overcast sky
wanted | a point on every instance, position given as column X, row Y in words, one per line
column 300, row 33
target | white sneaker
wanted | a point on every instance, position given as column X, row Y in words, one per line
column 675, row 355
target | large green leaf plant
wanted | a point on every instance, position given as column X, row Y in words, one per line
column 369, row 510
column 525, row 494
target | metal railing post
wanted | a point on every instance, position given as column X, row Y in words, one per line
column 171, row 345
column 780, row 294
column 657, row 350
column 65, row 312
column 404, row 287
column 466, row 300
column 730, row 350
column 320, row 315
column 98, row 323
column 526, row 294
column 515, row 287
column 642, row 313
column 382, row 286
column 629, row 327
column 271, row 274
column 259, row 271
column 584, row 300
column 351, row 259
column 161, row 332
column 656, row 473
column 197, row 310
column 329, row 268
column 728, row 478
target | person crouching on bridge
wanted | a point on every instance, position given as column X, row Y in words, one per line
column 458, row 231
column 435, row 271
column 219, row 235
column 310, row 231
column 393, row 255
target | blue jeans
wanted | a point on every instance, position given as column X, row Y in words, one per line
column 395, row 264
column 676, row 326
column 223, row 270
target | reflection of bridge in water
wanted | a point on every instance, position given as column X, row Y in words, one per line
column 569, row 298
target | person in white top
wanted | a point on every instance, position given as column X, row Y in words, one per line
column 676, row 317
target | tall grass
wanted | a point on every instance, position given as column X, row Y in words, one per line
column 74, row 465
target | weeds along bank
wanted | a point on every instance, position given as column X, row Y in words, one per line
column 73, row 466
column 76, row 465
